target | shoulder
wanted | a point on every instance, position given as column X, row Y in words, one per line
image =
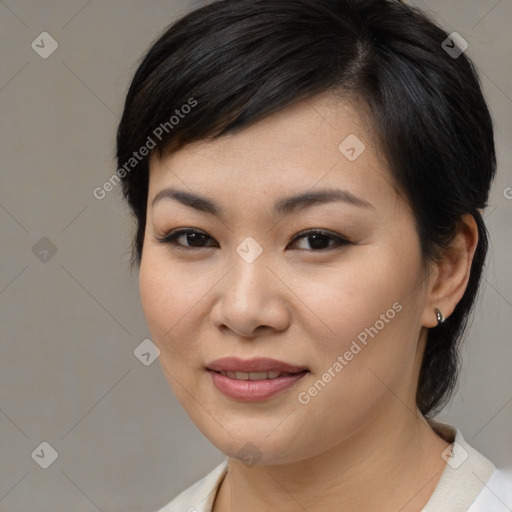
column 496, row 495
column 199, row 497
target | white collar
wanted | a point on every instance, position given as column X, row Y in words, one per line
column 464, row 477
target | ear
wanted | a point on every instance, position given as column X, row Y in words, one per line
column 450, row 276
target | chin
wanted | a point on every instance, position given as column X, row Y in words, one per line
column 262, row 442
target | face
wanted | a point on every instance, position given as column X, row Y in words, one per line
column 239, row 263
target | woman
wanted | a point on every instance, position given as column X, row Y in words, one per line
column 308, row 179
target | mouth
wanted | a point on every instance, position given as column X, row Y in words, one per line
column 254, row 379
column 257, row 375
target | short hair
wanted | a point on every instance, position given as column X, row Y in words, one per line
column 239, row 61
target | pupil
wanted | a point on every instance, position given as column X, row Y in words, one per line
column 316, row 241
column 194, row 238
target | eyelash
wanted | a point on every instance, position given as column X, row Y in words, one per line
column 170, row 239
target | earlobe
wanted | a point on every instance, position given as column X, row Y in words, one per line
column 450, row 280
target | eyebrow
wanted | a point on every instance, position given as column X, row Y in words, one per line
column 282, row 207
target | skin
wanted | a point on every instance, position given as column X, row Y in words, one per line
column 360, row 443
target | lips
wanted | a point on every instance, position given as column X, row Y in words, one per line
column 254, row 379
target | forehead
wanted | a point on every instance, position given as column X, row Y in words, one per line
column 319, row 142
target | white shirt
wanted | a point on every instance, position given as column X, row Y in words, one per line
column 469, row 483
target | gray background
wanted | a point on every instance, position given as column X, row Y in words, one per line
column 70, row 321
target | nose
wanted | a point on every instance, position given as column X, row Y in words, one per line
column 251, row 300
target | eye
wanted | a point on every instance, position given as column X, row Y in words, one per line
column 320, row 240
column 193, row 237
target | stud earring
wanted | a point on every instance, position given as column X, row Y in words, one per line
column 440, row 317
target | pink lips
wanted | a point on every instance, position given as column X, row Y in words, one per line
column 253, row 390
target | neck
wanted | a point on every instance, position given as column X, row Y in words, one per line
column 398, row 469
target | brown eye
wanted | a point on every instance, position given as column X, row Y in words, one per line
column 320, row 240
column 186, row 238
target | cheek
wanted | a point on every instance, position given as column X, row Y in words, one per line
column 360, row 297
column 153, row 287
column 174, row 301
column 165, row 304
column 164, row 299
column 372, row 312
